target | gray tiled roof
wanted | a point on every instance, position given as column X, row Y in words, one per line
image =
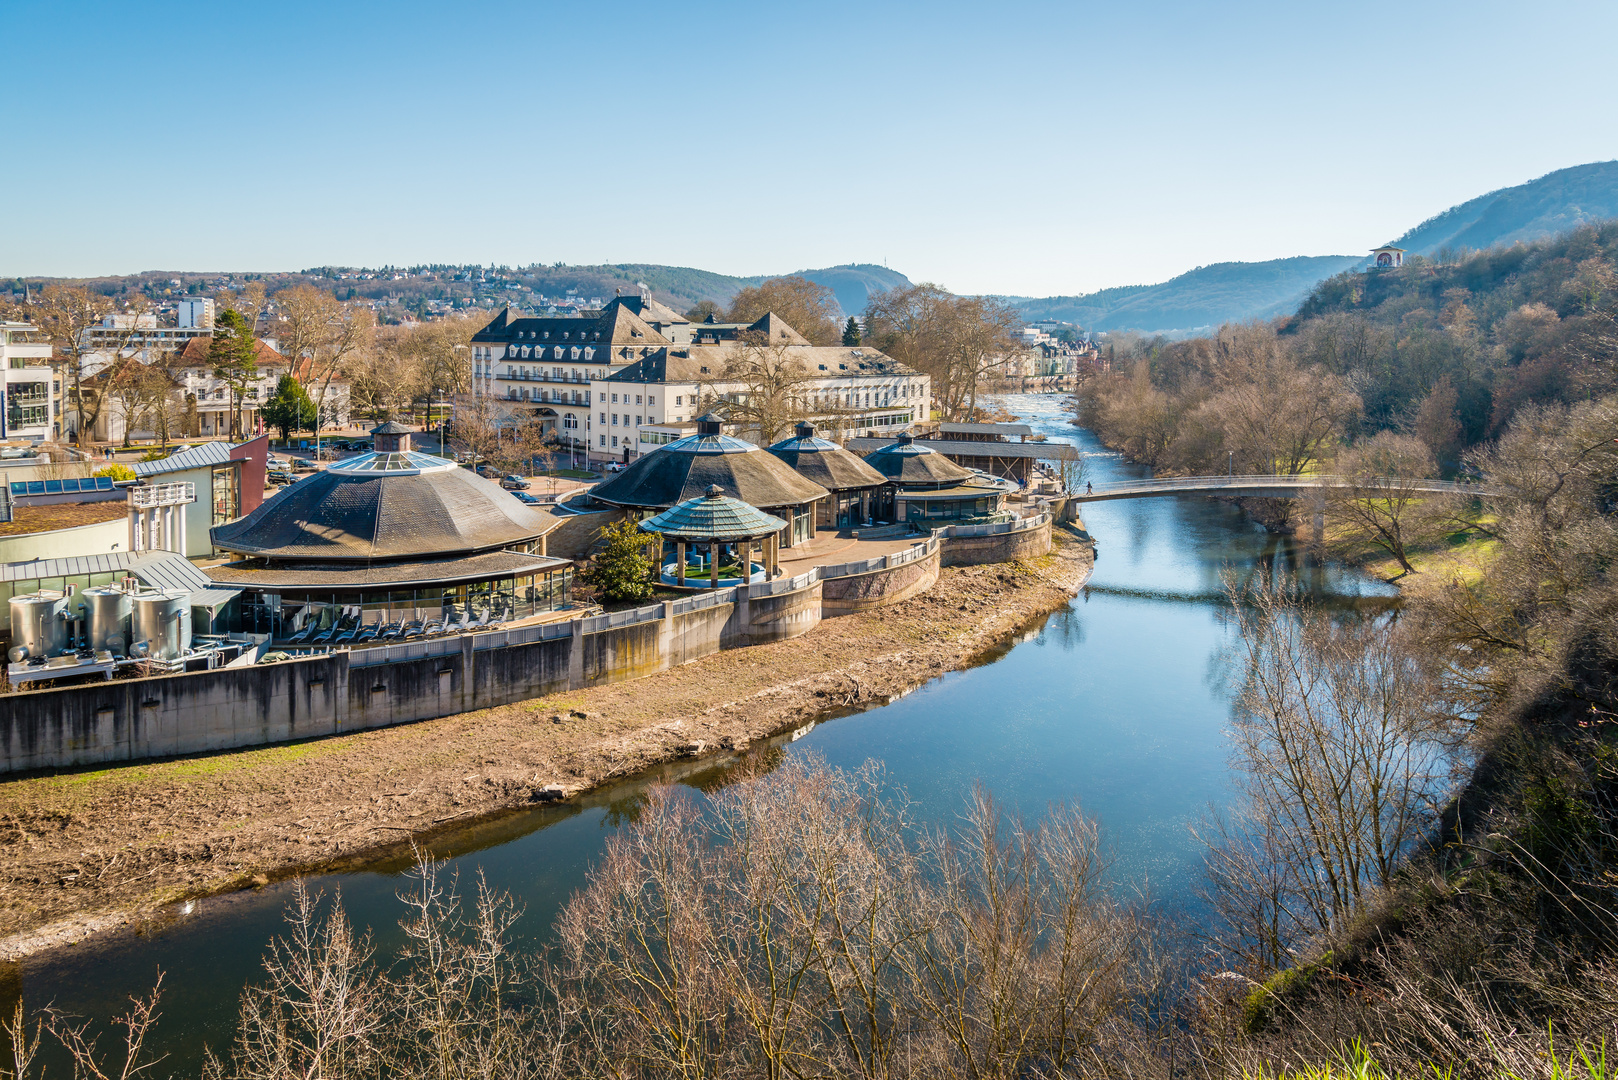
column 909, row 462
column 198, row 457
column 985, row 429
column 1046, row 451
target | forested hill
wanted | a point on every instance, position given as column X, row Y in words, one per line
column 1206, row 296
column 1502, row 328
column 1555, row 203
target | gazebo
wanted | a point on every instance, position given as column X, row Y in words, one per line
column 716, row 519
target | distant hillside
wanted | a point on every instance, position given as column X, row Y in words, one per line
column 1553, row 204
column 853, row 283
column 682, row 286
column 1227, row 292
column 1206, row 296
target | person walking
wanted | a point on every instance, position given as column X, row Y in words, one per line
column 1089, row 489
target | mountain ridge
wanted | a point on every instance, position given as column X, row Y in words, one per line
column 1232, row 292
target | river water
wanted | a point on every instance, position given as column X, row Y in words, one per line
column 1116, row 703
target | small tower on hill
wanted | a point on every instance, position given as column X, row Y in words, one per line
column 1386, row 258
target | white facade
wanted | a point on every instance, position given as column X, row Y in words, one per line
column 195, row 313
column 31, row 392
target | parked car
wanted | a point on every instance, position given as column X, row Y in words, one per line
column 281, row 476
column 524, row 497
column 303, row 463
column 616, row 466
column 514, row 483
column 489, row 472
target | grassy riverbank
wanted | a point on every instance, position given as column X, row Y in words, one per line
column 97, row 849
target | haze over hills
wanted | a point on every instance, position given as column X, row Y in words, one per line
column 1210, row 295
column 683, row 286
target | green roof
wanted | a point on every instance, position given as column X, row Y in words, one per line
column 713, row 517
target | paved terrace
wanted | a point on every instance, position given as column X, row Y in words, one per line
column 1273, row 487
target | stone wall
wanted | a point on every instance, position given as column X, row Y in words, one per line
column 879, row 588
column 974, row 548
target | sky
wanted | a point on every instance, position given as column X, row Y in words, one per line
column 1017, row 148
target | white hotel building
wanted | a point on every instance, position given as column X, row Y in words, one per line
column 635, row 377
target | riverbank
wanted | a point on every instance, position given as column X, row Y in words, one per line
column 95, row 850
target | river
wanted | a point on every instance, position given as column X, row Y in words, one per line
column 1116, row 703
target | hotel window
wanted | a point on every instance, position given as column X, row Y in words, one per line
column 679, row 399
column 614, row 419
column 615, row 440
column 576, row 351
column 589, row 353
column 615, row 399
column 558, row 353
column 651, row 399
column 603, row 440
column 603, row 418
column 637, row 421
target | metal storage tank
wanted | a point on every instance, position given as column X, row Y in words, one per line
column 163, row 621
column 39, row 623
column 106, row 614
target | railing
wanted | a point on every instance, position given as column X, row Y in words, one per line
column 955, row 532
column 145, row 498
column 881, row 562
column 1177, row 484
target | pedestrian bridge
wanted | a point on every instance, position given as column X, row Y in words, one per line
column 1273, row 487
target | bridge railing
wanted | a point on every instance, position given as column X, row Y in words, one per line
column 1188, row 484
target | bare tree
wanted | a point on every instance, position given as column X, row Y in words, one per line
column 1340, row 757
column 67, row 315
column 957, row 340
column 807, row 307
column 1382, row 504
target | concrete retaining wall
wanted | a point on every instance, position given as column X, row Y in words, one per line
column 238, row 707
column 976, row 547
column 879, row 588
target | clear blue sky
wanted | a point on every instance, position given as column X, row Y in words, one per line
column 1015, row 147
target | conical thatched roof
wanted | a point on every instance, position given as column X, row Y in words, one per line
column 713, row 517
column 688, row 467
column 826, row 463
column 906, row 463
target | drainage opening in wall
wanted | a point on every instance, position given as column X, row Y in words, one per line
column 379, row 689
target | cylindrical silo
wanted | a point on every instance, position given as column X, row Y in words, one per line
column 38, row 623
column 106, row 613
column 163, row 621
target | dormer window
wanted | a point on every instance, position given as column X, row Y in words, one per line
column 596, row 336
column 559, row 351
column 547, row 335
column 564, row 335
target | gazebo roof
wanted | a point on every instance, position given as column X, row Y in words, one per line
column 908, row 462
column 826, row 463
column 392, row 427
column 714, row 517
column 687, row 467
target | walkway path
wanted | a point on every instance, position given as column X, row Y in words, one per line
column 1273, row 487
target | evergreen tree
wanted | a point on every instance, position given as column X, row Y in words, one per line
column 234, row 356
column 291, row 408
column 621, row 570
column 851, row 332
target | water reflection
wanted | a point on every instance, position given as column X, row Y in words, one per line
column 1116, row 703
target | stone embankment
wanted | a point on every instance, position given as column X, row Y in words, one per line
column 98, row 850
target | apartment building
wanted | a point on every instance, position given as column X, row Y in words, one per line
column 31, row 392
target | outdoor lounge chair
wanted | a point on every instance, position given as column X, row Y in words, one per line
column 412, row 629
column 391, row 631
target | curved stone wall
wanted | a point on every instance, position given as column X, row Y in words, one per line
column 878, row 588
column 1029, row 543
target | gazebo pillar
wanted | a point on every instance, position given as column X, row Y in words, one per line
column 713, row 564
column 746, row 552
column 679, row 553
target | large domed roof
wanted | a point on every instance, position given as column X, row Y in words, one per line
column 687, row 468
column 826, row 463
column 384, row 506
column 906, row 462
